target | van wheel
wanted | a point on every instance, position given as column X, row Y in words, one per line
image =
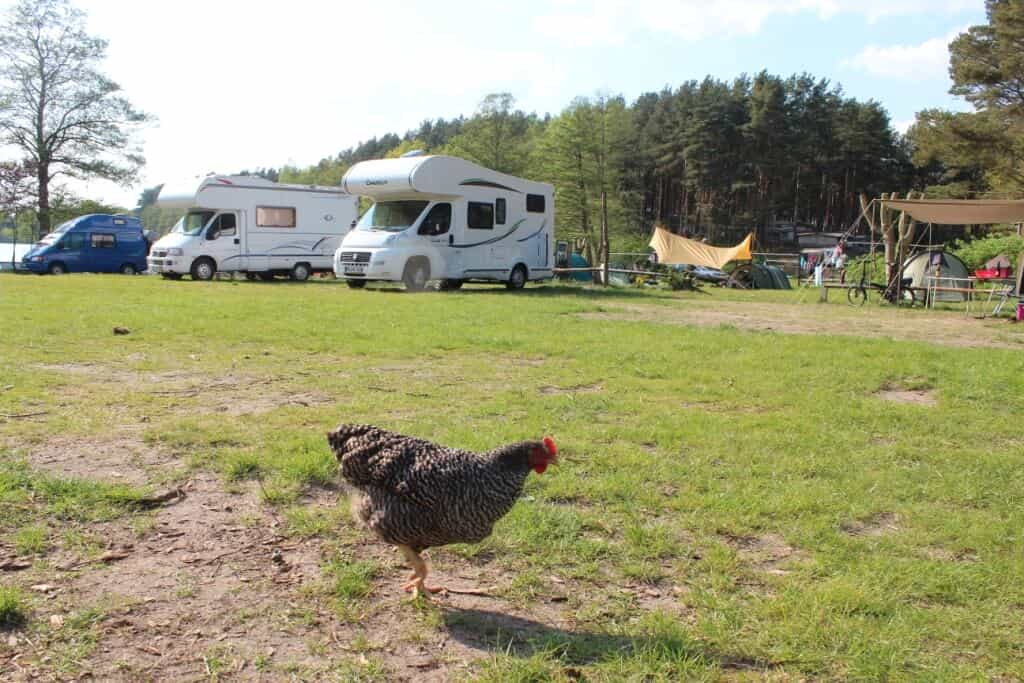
column 416, row 275
column 57, row 269
column 517, row 279
column 128, row 269
column 203, row 269
column 300, row 272
column 355, row 284
column 450, row 285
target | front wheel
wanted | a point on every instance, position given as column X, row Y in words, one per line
column 128, row 269
column 857, row 296
column 355, row 284
column 517, row 279
column 416, row 275
column 57, row 269
column 203, row 269
column 300, row 272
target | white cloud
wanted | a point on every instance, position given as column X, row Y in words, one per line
column 926, row 61
column 613, row 22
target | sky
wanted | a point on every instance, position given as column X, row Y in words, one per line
column 239, row 85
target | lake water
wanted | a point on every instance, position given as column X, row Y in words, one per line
column 6, row 251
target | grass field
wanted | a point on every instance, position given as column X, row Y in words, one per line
column 755, row 485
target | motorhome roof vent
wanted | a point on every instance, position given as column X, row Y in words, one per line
column 413, row 153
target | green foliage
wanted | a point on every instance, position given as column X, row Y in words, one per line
column 497, row 136
column 976, row 253
column 13, row 608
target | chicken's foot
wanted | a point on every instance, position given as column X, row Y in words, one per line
column 416, row 582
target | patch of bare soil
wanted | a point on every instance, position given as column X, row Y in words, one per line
column 945, row 328
column 119, row 457
column 577, row 389
column 918, row 397
column 768, row 553
column 874, row 526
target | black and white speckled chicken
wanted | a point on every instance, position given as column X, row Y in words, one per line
column 416, row 494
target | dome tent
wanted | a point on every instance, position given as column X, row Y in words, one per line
column 930, row 263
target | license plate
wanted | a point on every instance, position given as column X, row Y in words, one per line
column 355, row 269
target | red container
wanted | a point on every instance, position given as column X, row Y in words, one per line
column 1020, row 313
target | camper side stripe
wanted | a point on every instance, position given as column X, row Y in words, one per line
column 493, row 239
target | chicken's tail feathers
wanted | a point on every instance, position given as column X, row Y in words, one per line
column 340, row 437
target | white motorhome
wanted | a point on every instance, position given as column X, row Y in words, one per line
column 443, row 218
column 251, row 225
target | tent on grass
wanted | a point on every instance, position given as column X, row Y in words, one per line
column 758, row 276
column 943, row 264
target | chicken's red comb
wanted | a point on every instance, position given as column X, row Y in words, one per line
column 549, row 444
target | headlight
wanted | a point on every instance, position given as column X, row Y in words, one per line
column 37, row 259
column 174, row 251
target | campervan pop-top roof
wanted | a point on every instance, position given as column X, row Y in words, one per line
column 432, row 175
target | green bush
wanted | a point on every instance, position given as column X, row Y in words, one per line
column 975, row 253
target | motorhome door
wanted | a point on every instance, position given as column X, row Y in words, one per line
column 222, row 241
column 436, row 228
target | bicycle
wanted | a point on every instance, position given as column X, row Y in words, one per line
column 858, row 294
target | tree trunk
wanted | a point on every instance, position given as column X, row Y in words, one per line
column 43, row 178
column 605, row 245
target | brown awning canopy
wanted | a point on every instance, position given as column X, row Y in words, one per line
column 673, row 249
column 960, row 211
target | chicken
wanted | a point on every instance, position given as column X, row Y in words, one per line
column 415, row 494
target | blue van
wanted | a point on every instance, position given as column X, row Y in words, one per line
column 97, row 243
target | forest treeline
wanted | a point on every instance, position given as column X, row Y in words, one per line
column 747, row 154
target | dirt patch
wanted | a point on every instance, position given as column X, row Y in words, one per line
column 577, row 389
column 945, row 328
column 946, row 555
column 115, row 458
column 918, row 397
column 768, row 553
column 877, row 525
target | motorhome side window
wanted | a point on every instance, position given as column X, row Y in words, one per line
column 102, row 241
column 480, row 216
column 535, row 203
column 275, row 216
column 438, row 220
column 499, row 211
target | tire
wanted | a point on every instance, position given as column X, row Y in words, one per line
column 857, row 296
column 355, row 284
column 300, row 272
column 416, row 275
column 517, row 278
column 57, row 268
column 204, row 269
column 129, row 269
column 449, row 285
column 171, row 276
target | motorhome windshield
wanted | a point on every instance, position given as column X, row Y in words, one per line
column 391, row 216
column 192, row 223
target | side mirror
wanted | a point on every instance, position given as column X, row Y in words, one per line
column 451, row 239
column 353, row 223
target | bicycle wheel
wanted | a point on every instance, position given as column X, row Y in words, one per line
column 857, row 296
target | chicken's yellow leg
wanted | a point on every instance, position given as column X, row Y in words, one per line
column 417, row 581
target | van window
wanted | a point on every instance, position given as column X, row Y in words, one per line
column 438, row 221
column 535, row 203
column 222, row 226
column 103, row 241
column 275, row 216
column 480, row 216
column 73, row 242
column 499, row 211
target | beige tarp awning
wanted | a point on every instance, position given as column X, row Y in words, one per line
column 960, row 211
column 673, row 250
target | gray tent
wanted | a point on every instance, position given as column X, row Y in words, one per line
column 943, row 264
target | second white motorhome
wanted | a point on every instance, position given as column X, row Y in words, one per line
column 252, row 225
column 443, row 218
